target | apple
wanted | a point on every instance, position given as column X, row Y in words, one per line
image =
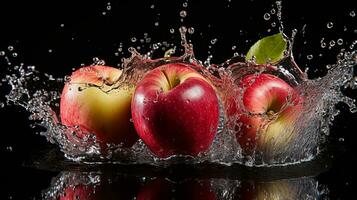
column 267, row 108
column 175, row 111
column 93, row 102
column 186, row 190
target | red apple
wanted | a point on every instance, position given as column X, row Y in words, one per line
column 267, row 110
column 166, row 190
column 90, row 102
column 175, row 111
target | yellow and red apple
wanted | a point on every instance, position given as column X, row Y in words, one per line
column 92, row 102
column 175, row 111
column 267, row 111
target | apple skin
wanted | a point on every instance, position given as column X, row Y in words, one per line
column 175, row 111
column 105, row 114
column 165, row 190
column 268, row 110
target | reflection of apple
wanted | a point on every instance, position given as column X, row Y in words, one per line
column 78, row 192
column 276, row 190
column 89, row 101
column 175, row 111
column 118, row 188
column 267, row 114
column 107, row 189
column 165, row 190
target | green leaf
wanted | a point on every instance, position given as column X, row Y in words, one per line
column 270, row 48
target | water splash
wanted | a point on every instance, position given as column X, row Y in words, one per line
column 39, row 94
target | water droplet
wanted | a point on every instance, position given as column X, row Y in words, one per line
column 61, row 25
column 152, row 6
column 184, row 4
column 2, row 105
column 329, row 25
column 332, row 43
column 266, row 16
column 31, row 67
column 50, row 51
column 340, row 41
column 95, row 59
column 309, row 57
column 213, row 41
column 104, row 13
column 234, row 47
column 353, row 44
column 191, row 30
column 10, row 48
column 341, row 139
column 133, row 39
column 2, row 53
column 14, row 54
column 322, row 42
column 109, row 7
column 156, row 24
column 120, row 49
column 352, row 13
column 183, row 13
column 9, row 148
column 273, row 24
column 272, row 11
column 172, row 30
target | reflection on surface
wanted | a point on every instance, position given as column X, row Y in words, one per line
column 160, row 188
column 91, row 186
column 104, row 186
column 302, row 188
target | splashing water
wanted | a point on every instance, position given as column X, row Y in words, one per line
column 39, row 94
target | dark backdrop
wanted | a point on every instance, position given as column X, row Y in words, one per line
column 57, row 36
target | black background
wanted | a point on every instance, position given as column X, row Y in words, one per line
column 34, row 27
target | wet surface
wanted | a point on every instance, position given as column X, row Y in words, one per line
column 48, row 175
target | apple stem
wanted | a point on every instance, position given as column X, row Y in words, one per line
column 167, row 78
column 270, row 114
